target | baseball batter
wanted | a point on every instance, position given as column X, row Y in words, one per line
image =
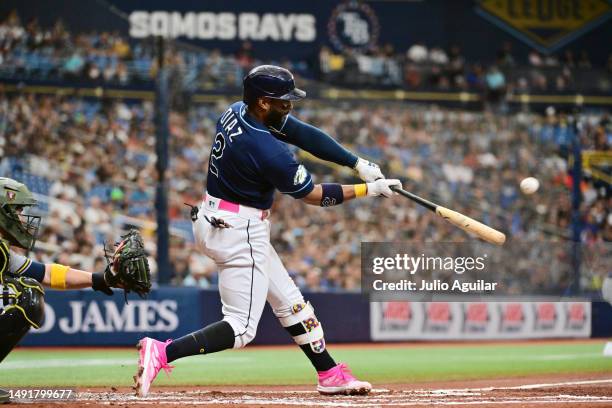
column 249, row 160
column 21, row 279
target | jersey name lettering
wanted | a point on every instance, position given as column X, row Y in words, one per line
column 229, row 121
column 229, row 126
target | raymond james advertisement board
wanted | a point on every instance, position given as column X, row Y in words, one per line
column 87, row 318
column 79, row 318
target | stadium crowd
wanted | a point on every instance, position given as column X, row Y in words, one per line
column 92, row 161
column 423, row 67
column 30, row 51
column 93, row 164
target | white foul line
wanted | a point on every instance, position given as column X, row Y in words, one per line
column 532, row 386
column 518, row 387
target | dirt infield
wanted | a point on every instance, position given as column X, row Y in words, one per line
column 549, row 391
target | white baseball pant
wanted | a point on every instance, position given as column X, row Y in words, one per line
column 250, row 271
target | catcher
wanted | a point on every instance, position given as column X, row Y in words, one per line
column 22, row 279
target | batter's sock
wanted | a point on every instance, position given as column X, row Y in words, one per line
column 321, row 361
column 214, row 337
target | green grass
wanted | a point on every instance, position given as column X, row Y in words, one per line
column 412, row 363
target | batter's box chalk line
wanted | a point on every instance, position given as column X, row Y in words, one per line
column 378, row 397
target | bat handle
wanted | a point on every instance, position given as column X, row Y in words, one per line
column 419, row 200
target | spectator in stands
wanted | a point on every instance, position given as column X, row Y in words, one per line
column 96, row 215
column 417, row 53
column 475, row 77
column 73, row 66
column 496, row 86
column 456, row 67
column 244, row 56
column 584, row 62
column 412, row 76
column 504, row 55
column 438, row 56
column 568, row 59
column 32, row 51
column 429, row 139
column 535, row 59
column 551, row 61
column 201, row 271
column 70, row 139
column 392, row 67
column 140, row 199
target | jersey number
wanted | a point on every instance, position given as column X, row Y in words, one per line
column 216, row 153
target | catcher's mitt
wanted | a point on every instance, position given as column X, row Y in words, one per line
column 128, row 267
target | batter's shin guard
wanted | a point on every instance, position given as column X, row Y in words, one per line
column 302, row 324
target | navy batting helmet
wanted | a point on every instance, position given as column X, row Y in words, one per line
column 271, row 81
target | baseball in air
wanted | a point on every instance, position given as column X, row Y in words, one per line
column 529, row 185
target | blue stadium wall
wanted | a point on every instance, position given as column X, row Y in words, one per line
column 81, row 318
column 87, row 318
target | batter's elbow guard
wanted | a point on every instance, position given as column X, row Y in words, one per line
column 302, row 324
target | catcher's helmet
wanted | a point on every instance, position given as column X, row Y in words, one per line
column 20, row 230
column 271, row 81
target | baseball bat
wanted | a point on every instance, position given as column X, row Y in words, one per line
column 462, row 221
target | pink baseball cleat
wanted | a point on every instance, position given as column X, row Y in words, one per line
column 151, row 359
column 340, row 381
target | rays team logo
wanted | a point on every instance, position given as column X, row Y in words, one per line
column 328, row 202
column 353, row 25
column 300, row 175
column 546, row 24
column 318, row 346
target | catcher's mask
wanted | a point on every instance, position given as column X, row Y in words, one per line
column 16, row 225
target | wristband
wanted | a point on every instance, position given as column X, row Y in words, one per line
column 332, row 194
column 361, row 190
column 58, row 276
column 98, row 282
